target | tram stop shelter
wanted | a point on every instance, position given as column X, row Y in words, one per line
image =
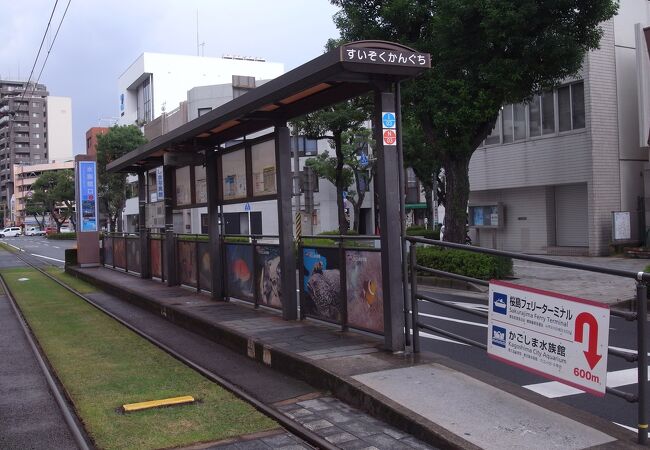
column 262, row 164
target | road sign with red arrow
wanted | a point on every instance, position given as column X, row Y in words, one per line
column 561, row 337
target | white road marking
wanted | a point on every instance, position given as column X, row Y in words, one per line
column 439, row 338
column 626, row 427
column 467, row 322
column 474, row 306
column 46, row 257
column 554, row 389
column 56, row 247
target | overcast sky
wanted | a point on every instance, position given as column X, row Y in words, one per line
column 100, row 39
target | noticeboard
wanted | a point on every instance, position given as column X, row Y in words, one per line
column 486, row 216
column 553, row 335
column 622, row 226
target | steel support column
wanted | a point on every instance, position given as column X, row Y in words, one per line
column 216, row 269
column 285, row 222
column 391, row 243
column 145, row 271
column 170, row 240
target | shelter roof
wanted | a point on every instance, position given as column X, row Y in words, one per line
column 340, row 74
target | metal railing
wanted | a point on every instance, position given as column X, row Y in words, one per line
column 640, row 314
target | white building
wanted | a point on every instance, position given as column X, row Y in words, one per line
column 553, row 172
column 157, row 82
column 59, row 128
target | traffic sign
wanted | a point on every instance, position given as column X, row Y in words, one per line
column 390, row 137
column 363, row 160
column 388, row 119
column 247, row 207
column 553, row 335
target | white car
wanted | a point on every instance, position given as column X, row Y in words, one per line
column 34, row 231
column 11, row 232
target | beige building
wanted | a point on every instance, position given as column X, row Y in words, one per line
column 24, row 177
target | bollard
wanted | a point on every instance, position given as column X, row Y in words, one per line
column 642, row 352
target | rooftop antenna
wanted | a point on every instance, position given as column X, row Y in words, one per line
column 203, row 48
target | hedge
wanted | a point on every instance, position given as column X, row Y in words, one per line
column 463, row 262
column 420, row 231
column 62, row 236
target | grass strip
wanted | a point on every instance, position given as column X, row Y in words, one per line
column 104, row 365
column 75, row 283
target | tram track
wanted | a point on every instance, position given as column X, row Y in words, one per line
column 292, row 426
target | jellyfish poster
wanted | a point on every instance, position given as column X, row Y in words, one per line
column 322, row 283
column 364, row 290
column 269, row 275
column 239, row 266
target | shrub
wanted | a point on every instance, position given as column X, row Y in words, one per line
column 463, row 262
column 420, row 231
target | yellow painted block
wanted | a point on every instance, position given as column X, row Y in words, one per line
column 132, row 407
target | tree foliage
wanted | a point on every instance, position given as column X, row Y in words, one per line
column 336, row 123
column 484, row 53
column 54, row 193
column 355, row 177
column 118, row 141
column 37, row 210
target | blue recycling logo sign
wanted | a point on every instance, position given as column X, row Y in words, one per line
column 388, row 119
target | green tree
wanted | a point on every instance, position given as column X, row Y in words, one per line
column 112, row 187
column 334, row 123
column 484, row 53
column 352, row 173
column 54, row 191
column 419, row 157
column 37, row 211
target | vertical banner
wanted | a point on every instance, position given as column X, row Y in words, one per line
column 160, row 184
column 87, row 177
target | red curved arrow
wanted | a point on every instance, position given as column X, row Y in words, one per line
column 592, row 353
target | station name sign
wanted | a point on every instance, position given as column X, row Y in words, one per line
column 553, row 335
column 385, row 56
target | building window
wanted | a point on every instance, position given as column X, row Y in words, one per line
column 36, row 135
column 35, row 114
column 571, row 107
column 495, row 135
column 506, row 115
column 202, row 111
column 578, row 105
column 36, row 125
column 145, row 101
column 305, row 146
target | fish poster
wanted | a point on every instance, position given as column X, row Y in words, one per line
column 186, row 258
column 239, row 267
column 365, row 290
column 269, row 275
column 108, row 251
column 322, row 284
column 204, row 266
column 155, row 257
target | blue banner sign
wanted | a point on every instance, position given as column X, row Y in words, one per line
column 88, row 195
column 160, row 184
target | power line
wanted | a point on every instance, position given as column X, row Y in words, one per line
column 51, row 45
column 39, row 49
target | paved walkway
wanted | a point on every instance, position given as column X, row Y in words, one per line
column 429, row 397
column 579, row 283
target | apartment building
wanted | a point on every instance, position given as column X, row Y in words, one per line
column 554, row 170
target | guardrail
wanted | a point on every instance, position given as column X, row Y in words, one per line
column 640, row 315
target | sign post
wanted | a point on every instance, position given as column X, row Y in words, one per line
column 87, row 211
column 553, row 335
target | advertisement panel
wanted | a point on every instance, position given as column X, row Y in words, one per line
column 155, row 257
column 239, row 270
column 322, row 284
column 186, row 256
column 364, row 290
column 108, row 251
column 88, row 195
column 269, row 275
column 204, row 266
column 553, row 335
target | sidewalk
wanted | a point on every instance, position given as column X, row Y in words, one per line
column 439, row 401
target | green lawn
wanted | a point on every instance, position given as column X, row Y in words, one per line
column 74, row 282
column 103, row 365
